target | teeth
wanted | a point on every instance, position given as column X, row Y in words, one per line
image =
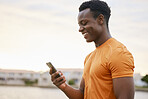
column 85, row 34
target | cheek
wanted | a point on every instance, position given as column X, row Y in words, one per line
column 91, row 34
column 89, row 29
column 94, row 32
column 99, row 29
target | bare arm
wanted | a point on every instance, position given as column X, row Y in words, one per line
column 124, row 87
column 75, row 93
column 68, row 90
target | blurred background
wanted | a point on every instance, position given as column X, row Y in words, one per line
column 33, row 32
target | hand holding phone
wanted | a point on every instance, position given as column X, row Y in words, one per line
column 53, row 69
column 57, row 80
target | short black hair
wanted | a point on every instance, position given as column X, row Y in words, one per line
column 97, row 7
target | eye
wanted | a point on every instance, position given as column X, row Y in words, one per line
column 84, row 22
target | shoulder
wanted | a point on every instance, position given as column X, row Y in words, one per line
column 121, row 53
column 121, row 62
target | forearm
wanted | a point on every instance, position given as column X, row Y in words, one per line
column 72, row 93
column 68, row 90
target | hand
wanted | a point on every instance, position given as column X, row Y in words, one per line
column 59, row 81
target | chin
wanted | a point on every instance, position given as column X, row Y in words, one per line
column 88, row 41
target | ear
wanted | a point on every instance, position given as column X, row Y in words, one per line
column 100, row 19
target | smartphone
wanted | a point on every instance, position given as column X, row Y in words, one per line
column 53, row 69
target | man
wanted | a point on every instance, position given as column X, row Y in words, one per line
column 108, row 70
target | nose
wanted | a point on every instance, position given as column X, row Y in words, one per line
column 81, row 29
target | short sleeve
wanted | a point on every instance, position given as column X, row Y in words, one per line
column 121, row 63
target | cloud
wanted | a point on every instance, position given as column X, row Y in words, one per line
column 48, row 28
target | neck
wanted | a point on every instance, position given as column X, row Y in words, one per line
column 103, row 38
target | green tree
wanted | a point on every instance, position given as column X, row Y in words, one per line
column 145, row 79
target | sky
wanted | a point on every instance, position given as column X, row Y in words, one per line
column 33, row 32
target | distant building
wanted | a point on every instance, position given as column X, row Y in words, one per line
column 45, row 80
column 74, row 75
column 18, row 77
column 70, row 74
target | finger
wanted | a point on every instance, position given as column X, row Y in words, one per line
column 64, row 78
column 60, row 78
column 60, row 73
column 58, row 81
column 53, row 76
column 61, row 82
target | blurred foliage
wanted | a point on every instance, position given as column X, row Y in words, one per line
column 29, row 82
column 71, row 82
column 145, row 79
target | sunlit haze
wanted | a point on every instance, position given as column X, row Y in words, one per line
column 33, row 32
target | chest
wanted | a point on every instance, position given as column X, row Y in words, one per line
column 97, row 66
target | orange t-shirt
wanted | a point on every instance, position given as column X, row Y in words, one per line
column 108, row 61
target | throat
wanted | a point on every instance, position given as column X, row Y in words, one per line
column 101, row 41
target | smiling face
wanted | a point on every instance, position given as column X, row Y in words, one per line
column 90, row 27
